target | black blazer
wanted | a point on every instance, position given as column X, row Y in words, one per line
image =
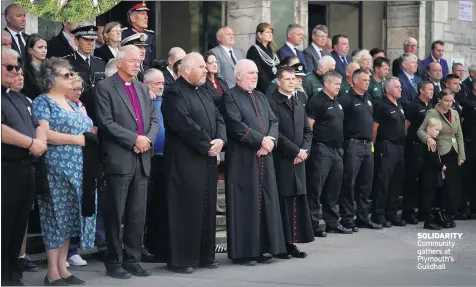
column 58, row 46
column 118, row 125
column 104, row 53
column 265, row 72
column 15, row 46
column 30, row 87
column 214, row 92
column 168, row 78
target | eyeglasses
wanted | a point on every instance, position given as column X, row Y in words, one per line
column 68, row 76
column 11, row 67
column 78, row 90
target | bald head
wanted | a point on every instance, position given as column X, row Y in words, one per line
column 349, row 71
column 193, row 69
column 435, row 72
column 246, row 74
column 226, row 37
column 175, row 54
column 16, row 17
column 6, row 39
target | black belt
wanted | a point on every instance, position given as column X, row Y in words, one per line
column 364, row 141
column 394, row 142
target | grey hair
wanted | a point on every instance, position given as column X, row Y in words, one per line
column 8, row 52
column 330, row 76
column 6, row 34
column 242, row 65
column 362, row 53
column 410, row 40
column 325, row 61
column 174, row 51
column 456, row 65
column 407, row 57
column 48, row 72
column 472, row 68
column 292, row 27
column 150, row 72
column 388, row 84
column 126, row 49
column 321, row 28
column 220, row 31
column 111, row 67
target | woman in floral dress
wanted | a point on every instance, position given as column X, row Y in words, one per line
column 60, row 209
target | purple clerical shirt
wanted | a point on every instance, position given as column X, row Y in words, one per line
column 131, row 93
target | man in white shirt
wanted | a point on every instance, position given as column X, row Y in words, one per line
column 175, row 54
column 15, row 17
column 314, row 52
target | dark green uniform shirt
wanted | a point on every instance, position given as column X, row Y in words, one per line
column 376, row 90
column 312, row 84
column 344, row 88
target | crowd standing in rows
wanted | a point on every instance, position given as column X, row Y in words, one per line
column 99, row 135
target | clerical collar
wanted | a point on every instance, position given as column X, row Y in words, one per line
column 123, row 81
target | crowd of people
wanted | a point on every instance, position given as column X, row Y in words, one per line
column 99, row 135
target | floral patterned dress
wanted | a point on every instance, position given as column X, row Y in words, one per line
column 60, row 210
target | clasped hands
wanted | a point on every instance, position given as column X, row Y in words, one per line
column 142, row 144
column 302, row 156
column 215, row 149
column 267, row 146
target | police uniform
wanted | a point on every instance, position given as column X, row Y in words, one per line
column 358, row 159
column 128, row 31
column 415, row 112
column 324, row 175
column 91, row 69
column 138, row 40
column 18, row 183
column 389, row 162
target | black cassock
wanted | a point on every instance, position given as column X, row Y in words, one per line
column 191, row 122
column 252, row 204
column 295, row 134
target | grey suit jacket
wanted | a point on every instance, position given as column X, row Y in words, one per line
column 226, row 68
column 312, row 57
column 118, row 126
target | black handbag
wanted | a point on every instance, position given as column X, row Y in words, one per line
column 41, row 176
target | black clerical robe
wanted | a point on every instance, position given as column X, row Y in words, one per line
column 191, row 122
column 295, row 134
column 253, row 214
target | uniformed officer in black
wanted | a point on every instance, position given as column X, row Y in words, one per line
column 90, row 68
column 139, row 40
column 389, row 142
column 415, row 112
column 138, row 22
column 469, row 167
column 326, row 168
column 358, row 154
column 22, row 141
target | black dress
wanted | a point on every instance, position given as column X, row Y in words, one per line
column 265, row 71
column 30, row 87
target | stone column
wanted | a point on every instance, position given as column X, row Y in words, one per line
column 243, row 17
column 301, row 18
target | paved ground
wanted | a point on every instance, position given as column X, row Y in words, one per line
column 368, row 258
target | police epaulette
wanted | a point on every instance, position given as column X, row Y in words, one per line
column 150, row 31
column 73, row 54
column 95, row 57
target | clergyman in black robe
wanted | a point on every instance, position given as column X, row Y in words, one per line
column 194, row 135
column 253, row 216
column 294, row 143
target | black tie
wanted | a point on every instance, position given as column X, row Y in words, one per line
column 344, row 60
column 232, row 58
column 20, row 42
column 87, row 61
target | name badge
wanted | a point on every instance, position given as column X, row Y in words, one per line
column 375, row 89
column 392, row 112
column 423, row 111
column 319, row 89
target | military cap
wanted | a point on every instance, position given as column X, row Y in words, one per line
column 136, row 39
column 86, row 32
column 299, row 69
column 138, row 7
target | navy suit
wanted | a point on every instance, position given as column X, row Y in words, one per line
column 444, row 65
column 285, row 51
column 340, row 66
column 408, row 92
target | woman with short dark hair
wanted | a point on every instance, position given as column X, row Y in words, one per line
column 62, row 208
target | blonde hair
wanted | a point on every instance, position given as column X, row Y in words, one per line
column 433, row 122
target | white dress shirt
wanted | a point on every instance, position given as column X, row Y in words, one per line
column 293, row 48
column 15, row 38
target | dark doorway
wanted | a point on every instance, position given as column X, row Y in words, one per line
column 317, row 15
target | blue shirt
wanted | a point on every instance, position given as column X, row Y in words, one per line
column 159, row 143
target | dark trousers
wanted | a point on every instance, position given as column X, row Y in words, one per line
column 324, row 180
column 412, row 183
column 452, row 184
column 18, row 192
column 469, row 175
column 432, row 195
column 125, row 197
column 358, row 174
column 389, row 174
column 101, row 243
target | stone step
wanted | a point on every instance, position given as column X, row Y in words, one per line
column 221, row 237
column 221, row 202
column 221, row 187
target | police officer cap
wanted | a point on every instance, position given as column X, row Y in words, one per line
column 299, row 69
column 137, row 39
column 138, row 7
column 86, row 32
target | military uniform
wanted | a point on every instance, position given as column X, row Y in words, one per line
column 376, row 90
column 150, row 48
column 91, row 70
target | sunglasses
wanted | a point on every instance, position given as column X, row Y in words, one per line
column 11, row 67
column 68, row 76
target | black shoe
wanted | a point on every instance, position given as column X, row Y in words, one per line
column 283, row 256
column 338, row 229
column 210, row 265
column 27, row 265
column 183, row 270
column 368, row 224
column 59, row 282
column 73, row 280
column 294, row 251
column 411, row 218
column 117, row 272
column 461, row 216
column 264, row 259
column 245, row 261
column 136, row 270
column 383, row 222
column 431, row 225
column 397, row 222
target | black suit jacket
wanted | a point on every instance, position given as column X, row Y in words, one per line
column 340, row 67
column 168, row 78
column 15, row 46
column 104, row 53
column 30, row 86
column 58, row 46
column 118, row 125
